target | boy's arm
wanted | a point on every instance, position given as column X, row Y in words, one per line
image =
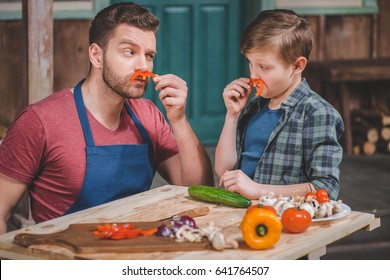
column 235, row 96
column 323, row 153
column 225, row 152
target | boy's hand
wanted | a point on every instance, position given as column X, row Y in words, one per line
column 236, row 95
column 173, row 95
column 238, row 182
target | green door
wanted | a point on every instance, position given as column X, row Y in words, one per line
column 198, row 40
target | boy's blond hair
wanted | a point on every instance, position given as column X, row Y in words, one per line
column 283, row 30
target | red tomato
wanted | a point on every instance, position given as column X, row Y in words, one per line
column 322, row 196
column 313, row 195
column 254, row 206
column 296, row 220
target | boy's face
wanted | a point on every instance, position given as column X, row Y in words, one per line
column 278, row 76
column 130, row 49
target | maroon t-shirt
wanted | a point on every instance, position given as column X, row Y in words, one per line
column 45, row 148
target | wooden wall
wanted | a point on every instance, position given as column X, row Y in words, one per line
column 70, row 62
column 337, row 38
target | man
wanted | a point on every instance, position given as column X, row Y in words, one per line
column 101, row 141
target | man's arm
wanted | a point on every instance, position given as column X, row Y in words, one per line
column 192, row 165
column 11, row 191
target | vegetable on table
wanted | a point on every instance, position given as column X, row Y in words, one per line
column 296, row 220
column 322, row 196
column 218, row 196
column 261, row 229
column 259, row 85
column 266, row 207
column 121, row 231
column 143, row 75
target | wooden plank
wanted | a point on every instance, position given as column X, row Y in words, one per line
column 373, row 225
column 315, row 255
column 38, row 27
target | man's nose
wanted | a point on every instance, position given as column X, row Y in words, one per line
column 141, row 63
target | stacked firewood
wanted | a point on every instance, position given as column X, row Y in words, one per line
column 371, row 132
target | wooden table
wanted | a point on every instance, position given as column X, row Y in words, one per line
column 168, row 200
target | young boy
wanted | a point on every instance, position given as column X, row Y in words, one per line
column 286, row 140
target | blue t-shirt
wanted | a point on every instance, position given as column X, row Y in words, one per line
column 256, row 136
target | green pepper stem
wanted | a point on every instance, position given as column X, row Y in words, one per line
column 261, row 230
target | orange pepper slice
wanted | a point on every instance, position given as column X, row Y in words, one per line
column 121, row 231
column 143, row 75
column 259, row 85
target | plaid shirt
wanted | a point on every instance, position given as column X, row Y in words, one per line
column 304, row 145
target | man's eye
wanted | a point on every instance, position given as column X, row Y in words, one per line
column 128, row 52
column 150, row 56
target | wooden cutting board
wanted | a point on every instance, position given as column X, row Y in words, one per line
column 79, row 239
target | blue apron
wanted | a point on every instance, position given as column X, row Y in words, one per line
column 114, row 171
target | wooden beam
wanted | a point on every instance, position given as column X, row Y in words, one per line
column 38, row 35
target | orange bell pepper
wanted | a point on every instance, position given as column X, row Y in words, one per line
column 261, row 228
column 259, row 85
column 143, row 75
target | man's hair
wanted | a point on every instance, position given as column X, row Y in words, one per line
column 290, row 34
column 106, row 21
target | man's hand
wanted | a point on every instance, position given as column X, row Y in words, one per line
column 173, row 95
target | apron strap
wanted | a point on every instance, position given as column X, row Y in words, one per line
column 83, row 114
column 142, row 131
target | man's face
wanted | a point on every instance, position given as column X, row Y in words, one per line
column 129, row 50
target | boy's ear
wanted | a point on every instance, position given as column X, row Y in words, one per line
column 96, row 56
column 300, row 64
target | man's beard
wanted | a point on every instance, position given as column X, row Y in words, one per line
column 121, row 86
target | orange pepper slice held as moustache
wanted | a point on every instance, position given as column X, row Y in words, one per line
column 259, row 85
column 143, row 75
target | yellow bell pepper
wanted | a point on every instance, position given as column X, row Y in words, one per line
column 261, row 228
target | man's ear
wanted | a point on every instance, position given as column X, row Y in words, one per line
column 300, row 64
column 96, row 56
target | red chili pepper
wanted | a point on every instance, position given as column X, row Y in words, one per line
column 121, row 231
column 259, row 85
column 143, row 75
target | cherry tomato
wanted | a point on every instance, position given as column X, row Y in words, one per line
column 322, row 196
column 266, row 207
column 296, row 220
column 313, row 195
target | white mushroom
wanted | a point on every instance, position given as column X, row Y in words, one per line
column 313, row 203
column 338, row 206
column 268, row 200
column 308, row 207
column 284, row 207
column 295, row 199
column 278, row 204
column 321, row 212
column 219, row 243
column 329, row 208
